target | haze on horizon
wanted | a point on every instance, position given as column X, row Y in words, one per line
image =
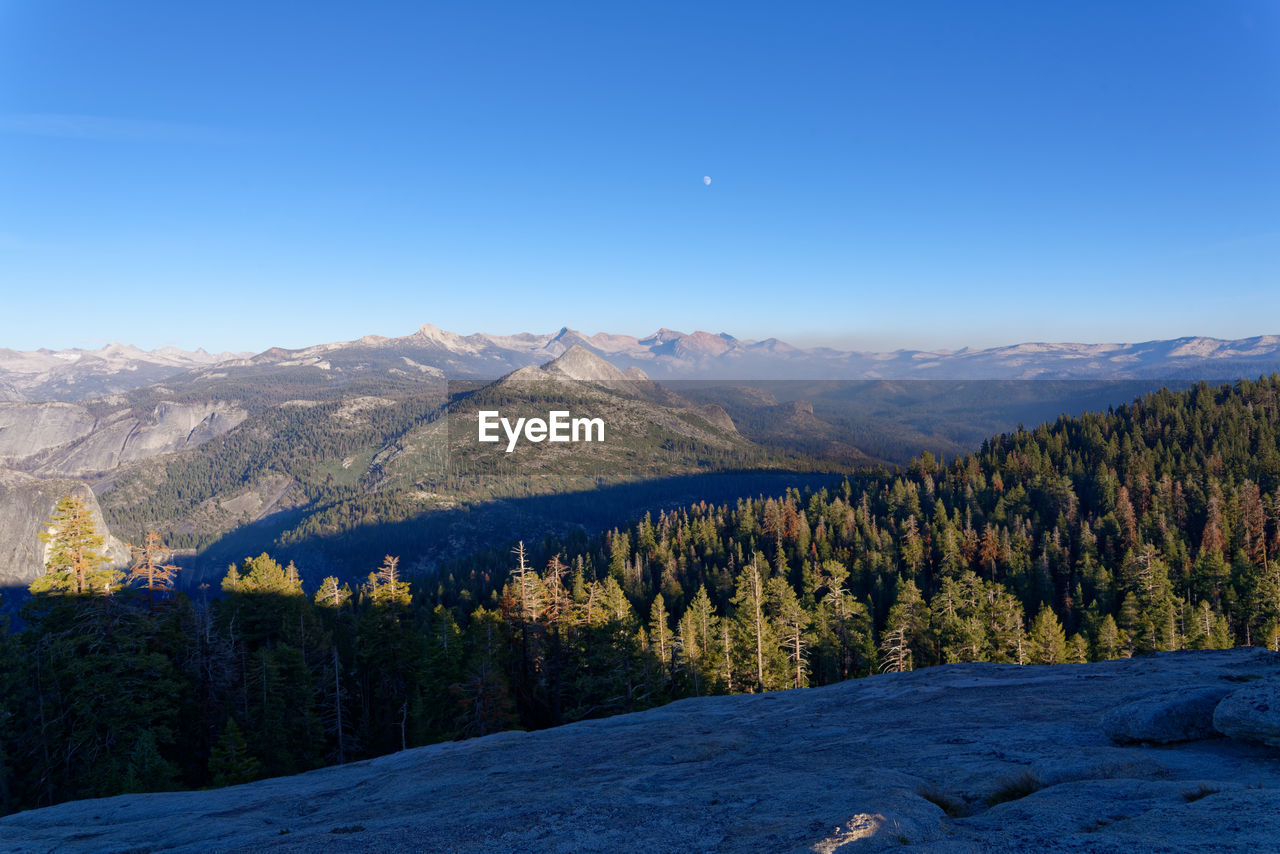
column 237, row 177
column 865, row 346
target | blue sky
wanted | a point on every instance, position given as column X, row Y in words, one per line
column 918, row 174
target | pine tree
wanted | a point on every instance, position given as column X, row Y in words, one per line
column 74, row 561
column 391, row 662
column 752, row 621
column 385, row 588
column 1046, row 642
column 334, row 712
column 483, row 702
column 614, row 604
column 264, row 605
column 697, row 633
column 148, row 771
column 619, row 555
column 660, row 635
column 1077, row 649
column 231, row 763
column 332, row 594
column 149, row 570
column 608, row 657
column 957, row 618
column 263, row 575
column 895, row 651
column 1110, row 643
column 906, row 627
column 792, row 621
column 1007, row 640
column 842, row 623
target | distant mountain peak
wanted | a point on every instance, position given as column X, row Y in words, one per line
column 435, row 333
column 564, row 339
column 579, row 363
column 272, row 355
column 703, row 344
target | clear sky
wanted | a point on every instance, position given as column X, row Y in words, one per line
column 238, row 175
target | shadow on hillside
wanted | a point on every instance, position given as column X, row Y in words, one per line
column 880, row 420
column 427, row 541
column 11, row 599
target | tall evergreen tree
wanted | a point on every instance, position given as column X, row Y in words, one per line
column 755, row 629
column 1046, row 642
column 791, row 621
column 697, row 641
column 660, row 635
column 74, row 559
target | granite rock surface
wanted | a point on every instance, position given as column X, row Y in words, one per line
column 962, row 758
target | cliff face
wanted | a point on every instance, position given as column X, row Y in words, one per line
column 26, row 504
column 65, row 440
column 1120, row 756
column 27, row 429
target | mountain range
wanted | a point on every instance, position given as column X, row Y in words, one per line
column 74, row 375
column 78, row 374
column 338, row 449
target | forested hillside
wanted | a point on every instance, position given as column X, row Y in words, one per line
column 342, row 463
column 1153, row 526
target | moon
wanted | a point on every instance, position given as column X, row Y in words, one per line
column 706, row 179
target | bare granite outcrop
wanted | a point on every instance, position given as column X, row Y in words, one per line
column 66, row 440
column 961, row 758
column 1251, row 713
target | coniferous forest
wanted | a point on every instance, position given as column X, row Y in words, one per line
column 1153, row 526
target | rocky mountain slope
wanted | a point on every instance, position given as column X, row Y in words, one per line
column 1121, row 756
